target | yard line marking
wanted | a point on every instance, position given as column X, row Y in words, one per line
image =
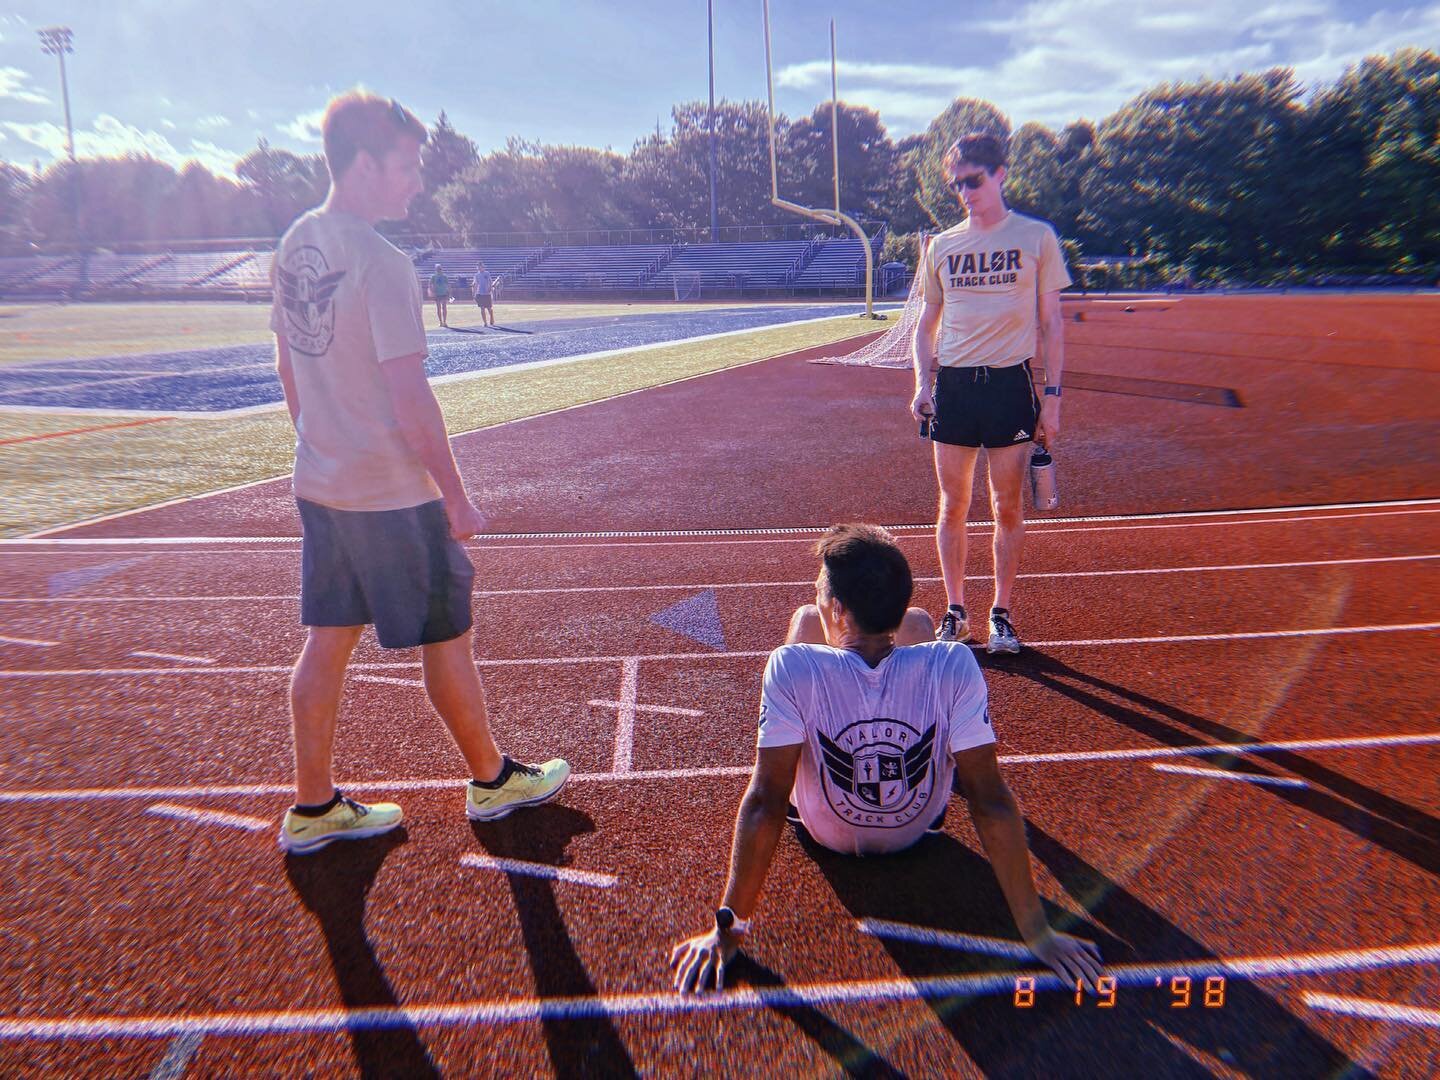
column 178, row 1056
column 539, row 870
column 794, row 535
column 513, row 1010
column 945, row 939
column 691, row 586
column 668, row 710
column 182, row 657
column 1371, row 1009
column 388, row 681
column 38, row 643
column 210, row 817
column 554, row 661
column 1361, row 742
column 1220, row 774
column 625, row 716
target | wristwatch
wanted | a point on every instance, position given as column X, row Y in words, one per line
column 728, row 921
column 1052, row 391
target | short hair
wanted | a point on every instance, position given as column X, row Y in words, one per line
column 978, row 148
column 359, row 120
column 868, row 573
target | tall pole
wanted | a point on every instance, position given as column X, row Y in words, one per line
column 714, row 211
column 55, row 41
column 834, row 116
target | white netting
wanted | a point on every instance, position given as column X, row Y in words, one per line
column 687, row 285
column 891, row 349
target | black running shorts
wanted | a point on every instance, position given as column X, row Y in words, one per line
column 397, row 569
column 985, row 406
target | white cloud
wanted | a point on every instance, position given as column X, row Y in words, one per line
column 168, row 125
column 212, row 122
column 13, row 87
column 1064, row 59
column 305, row 127
column 112, row 138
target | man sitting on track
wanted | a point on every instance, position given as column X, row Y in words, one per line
column 382, row 504
column 864, row 720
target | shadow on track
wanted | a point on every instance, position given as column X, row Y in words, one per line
column 941, row 883
column 578, row 1047
column 841, row 1045
column 333, row 884
column 1370, row 815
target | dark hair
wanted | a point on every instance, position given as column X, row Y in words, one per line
column 358, row 120
column 978, row 148
column 868, row 573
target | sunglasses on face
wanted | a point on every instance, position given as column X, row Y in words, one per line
column 973, row 181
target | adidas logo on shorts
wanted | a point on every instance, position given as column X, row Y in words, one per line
column 1021, row 434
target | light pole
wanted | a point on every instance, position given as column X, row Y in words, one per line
column 710, row 124
column 55, row 41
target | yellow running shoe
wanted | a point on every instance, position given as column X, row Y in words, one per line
column 346, row 820
column 517, row 785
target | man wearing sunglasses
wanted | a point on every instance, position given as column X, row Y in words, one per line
column 992, row 305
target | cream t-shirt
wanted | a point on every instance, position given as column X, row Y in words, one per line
column 876, row 768
column 990, row 281
column 347, row 300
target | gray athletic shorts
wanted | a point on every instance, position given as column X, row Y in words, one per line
column 397, row 569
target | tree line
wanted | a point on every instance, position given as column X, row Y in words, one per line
column 1253, row 178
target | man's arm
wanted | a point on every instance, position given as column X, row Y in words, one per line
column 286, row 370
column 699, row 962
column 927, row 359
column 997, row 819
column 1051, row 346
column 423, row 427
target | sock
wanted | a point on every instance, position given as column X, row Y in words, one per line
column 506, row 768
column 958, row 608
column 1000, row 611
column 317, row 809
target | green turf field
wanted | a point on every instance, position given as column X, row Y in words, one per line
column 74, row 477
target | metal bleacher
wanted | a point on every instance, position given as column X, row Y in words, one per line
column 626, row 266
column 837, row 263
column 740, row 266
column 506, row 263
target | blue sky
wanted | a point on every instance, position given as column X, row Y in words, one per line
column 184, row 79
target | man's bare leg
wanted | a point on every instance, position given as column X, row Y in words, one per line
column 453, row 685
column 1007, row 479
column 955, row 471
column 315, row 689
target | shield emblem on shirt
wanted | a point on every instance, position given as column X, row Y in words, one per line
column 879, row 778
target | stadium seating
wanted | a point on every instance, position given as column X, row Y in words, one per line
column 624, row 266
column 740, row 266
column 837, row 263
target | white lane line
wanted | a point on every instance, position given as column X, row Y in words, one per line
column 667, row 1003
column 944, row 939
column 1371, row 1009
column 719, row 771
column 1359, row 742
column 210, row 817
column 178, row 1056
column 388, row 681
column 1221, row 774
column 625, row 715
column 697, row 587
column 668, row 710
column 556, row 661
column 181, row 657
column 38, row 643
column 786, row 535
column 539, row 870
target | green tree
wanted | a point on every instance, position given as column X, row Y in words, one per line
column 867, row 161
column 961, row 117
column 445, row 156
column 285, row 185
column 15, row 184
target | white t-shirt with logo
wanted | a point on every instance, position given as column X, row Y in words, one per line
column 875, row 770
column 347, row 300
column 990, row 281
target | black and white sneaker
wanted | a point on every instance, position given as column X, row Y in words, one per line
column 954, row 626
column 1003, row 638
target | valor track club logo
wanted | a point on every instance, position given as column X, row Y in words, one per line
column 307, row 291
column 878, row 772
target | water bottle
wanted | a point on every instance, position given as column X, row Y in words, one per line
column 1043, row 492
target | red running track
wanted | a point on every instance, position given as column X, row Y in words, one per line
column 151, row 920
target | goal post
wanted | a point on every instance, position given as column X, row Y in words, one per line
column 830, row 217
column 894, row 348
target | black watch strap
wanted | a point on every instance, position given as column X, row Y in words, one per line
column 1052, row 391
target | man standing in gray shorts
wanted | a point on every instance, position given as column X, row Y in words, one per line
column 381, row 501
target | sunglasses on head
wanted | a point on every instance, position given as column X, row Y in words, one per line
column 973, row 181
